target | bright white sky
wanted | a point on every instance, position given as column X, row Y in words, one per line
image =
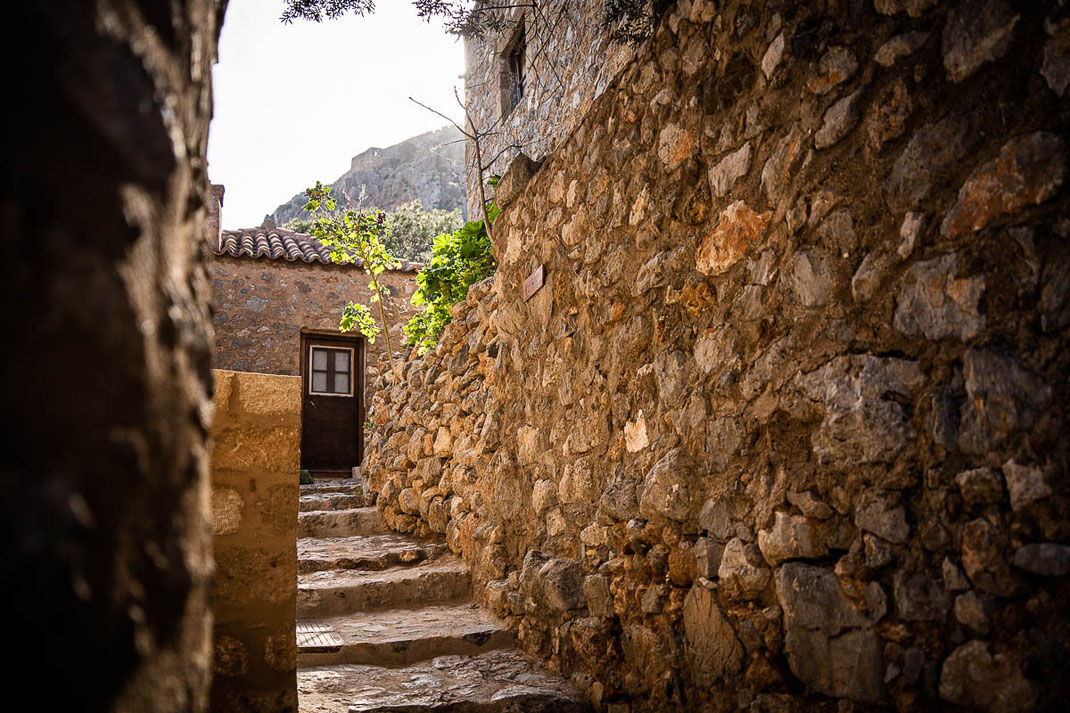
column 294, row 103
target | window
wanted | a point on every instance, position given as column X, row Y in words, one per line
column 515, row 71
column 330, row 371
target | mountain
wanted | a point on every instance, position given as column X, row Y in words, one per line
column 428, row 167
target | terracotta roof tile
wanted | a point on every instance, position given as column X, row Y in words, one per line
column 281, row 244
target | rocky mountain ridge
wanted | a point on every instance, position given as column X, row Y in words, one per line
column 428, row 168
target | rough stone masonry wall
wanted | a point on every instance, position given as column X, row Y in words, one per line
column 256, row 446
column 787, row 422
column 260, row 307
column 570, row 62
column 104, row 371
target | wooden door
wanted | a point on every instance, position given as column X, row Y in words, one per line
column 332, row 409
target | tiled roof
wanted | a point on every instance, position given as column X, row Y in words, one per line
column 282, row 244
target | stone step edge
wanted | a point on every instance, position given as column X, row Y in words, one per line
column 341, row 523
column 395, row 650
column 374, row 561
column 515, row 683
column 429, row 582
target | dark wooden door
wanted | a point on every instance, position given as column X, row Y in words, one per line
column 332, row 410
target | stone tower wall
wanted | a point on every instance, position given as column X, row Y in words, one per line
column 570, row 62
column 787, row 421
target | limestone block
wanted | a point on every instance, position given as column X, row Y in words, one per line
column 792, row 537
column 1045, row 558
column 1001, row 397
column 879, row 512
column 1028, row 171
column 738, row 226
column 730, row 169
column 861, row 422
column 267, row 395
column 742, row 571
column 712, row 648
column 977, row 31
column 831, row 646
column 227, row 510
column 514, row 180
column 975, row 678
column 596, row 593
column 666, row 491
column 934, row 302
column 561, row 584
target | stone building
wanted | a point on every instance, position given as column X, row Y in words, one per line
column 277, row 298
column 529, row 82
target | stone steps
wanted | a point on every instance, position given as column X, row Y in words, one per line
column 334, row 485
column 388, row 623
column 340, row 523
column 497, row 681
column 346, row 591
column 331, row 501
column 399, row 637
column 371, row 552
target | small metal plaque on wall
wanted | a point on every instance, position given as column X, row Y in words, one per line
column 533, row 282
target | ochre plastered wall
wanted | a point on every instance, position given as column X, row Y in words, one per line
column 255, row 460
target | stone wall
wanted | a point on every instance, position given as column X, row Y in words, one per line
column 786, row 423
column 260, row 306
column 570, row 62
column 256, row 446
column 105, row 366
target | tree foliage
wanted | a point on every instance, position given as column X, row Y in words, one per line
column 459, row 17
column 458, row 261
column 354, row 237
column 630, row 20
column 320, row 10
column 410, row 230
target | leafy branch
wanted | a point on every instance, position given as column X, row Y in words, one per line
column 458, row 261
column 355, row 237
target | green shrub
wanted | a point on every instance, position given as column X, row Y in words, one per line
column 458, row 261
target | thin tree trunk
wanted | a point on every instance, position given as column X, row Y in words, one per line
column 479, row 173
column 386, row 331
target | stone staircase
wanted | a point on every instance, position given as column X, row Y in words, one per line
column 386, row 622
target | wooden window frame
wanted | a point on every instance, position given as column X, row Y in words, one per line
column 517, row 60
column 331, row 372
column 513, row 67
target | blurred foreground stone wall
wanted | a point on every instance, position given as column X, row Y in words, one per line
column 105, row 364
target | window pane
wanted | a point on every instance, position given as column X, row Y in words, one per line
column 319, row 381
column 319, row 359
column 341, row 360
column 341, row 383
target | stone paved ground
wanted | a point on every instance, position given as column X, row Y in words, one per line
column 409, row 637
